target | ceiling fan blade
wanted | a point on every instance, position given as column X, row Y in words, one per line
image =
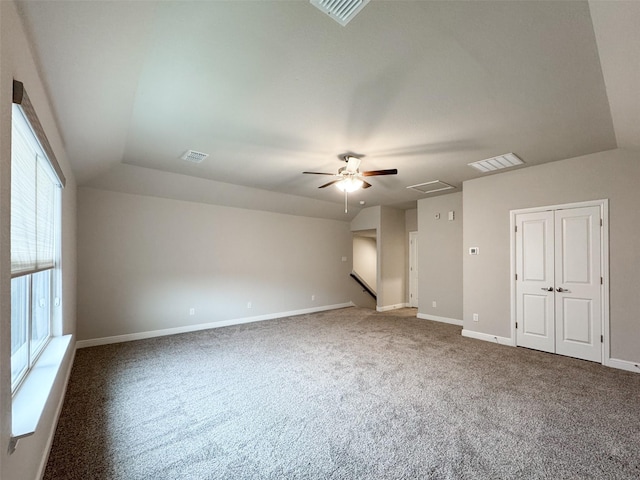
column 319, row 173
column 353, row 164
column 330, row 183
column 373, row 173
column 365, row 184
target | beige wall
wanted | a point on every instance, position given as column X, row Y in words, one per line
column 613, row 175
column 145, row 261
column 440, row 257
column 392, row 253
column 411, row 220
column 365, row 259
column 17, row 62
column 367, row 219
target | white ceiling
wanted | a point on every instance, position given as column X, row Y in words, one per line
column 273, row 88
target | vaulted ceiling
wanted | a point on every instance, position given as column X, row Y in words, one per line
column 272, row 88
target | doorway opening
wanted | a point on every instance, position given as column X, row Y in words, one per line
column 365, row 260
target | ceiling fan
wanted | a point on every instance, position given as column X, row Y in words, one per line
column 350, row 178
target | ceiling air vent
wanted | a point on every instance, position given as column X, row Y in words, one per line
column 432, row 187
column 342, row 11
column 507, row 160
column 193, row 156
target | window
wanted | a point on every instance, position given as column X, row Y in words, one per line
column 35, row 244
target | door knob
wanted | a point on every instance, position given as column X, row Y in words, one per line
column 561, row 290
column 550, row 289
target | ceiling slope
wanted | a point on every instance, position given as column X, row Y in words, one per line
column 617, row 30
column 270, row 89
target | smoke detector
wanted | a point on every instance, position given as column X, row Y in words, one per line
column 193, row 156
column 342, row 11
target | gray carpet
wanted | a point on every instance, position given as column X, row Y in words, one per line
column 347, row 394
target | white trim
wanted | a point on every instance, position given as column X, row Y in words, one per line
column 563, row 206
column 604, row 242
column 512, row 271
column 611, row 362
column 413, row 302
column 623, row 365
column 488, row 338
column 386, row 308
column 30, row 400
column 435, row 318
column 204, row 326
column 56, row 416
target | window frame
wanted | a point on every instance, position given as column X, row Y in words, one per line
column 34, row 137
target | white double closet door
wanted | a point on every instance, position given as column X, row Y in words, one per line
column 558, row 282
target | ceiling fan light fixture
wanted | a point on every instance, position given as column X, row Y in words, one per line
column 349, row 184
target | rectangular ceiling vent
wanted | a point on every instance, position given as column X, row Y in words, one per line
column 432, row 187
column 194, row 157
column 507, row 160
column 342, row 11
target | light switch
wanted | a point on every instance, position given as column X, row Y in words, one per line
column 451, row 215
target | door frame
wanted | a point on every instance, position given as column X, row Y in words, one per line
column 603, row 204
column 413, row 237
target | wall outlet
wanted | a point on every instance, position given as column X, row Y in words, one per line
column 434, row 304
column 192, row 311
column 313, row 297
column 248, row 304
column 475, row 317
column 344, row 259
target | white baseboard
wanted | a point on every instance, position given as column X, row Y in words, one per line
column 623, row 365
column 612, row 362
column 203, row 326
column 386, row 308
column 435, row 318
column 488, row 338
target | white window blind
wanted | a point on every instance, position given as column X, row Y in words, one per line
column 33, row 184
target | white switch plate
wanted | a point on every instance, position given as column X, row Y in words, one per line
column 475, row 317
column 452, row 215
column 344, row 259
column 434, row 304
column 248, row 304
column 192, row 311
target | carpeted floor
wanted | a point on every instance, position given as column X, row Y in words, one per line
column 347, row 394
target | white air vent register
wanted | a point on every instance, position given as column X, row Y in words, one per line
column 193, row 156
column 342, row 11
